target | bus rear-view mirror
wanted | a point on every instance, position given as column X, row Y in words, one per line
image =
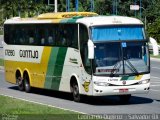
column 90, row 49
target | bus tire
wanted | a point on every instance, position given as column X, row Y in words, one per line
column 20, row 83
column 124, row 98
column 27, row 83
column 75, row 92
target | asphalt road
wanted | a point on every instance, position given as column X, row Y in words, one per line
column 139, row 103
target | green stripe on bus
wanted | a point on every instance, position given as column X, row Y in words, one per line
column 64, row 20
column 124, row 77
column 58, row 68
column 51, row 68
column 69, row 20
column 72, row 20
column 128, row 78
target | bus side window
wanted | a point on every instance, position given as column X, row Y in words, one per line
column 50, row 40
column 74, row 36
column 50, row 34
column 83, row 48
column 42, row 41
column 69, row 38
column 16, row 36
column 11, row 35
column 60, row 35
column 20, row 36
column 64, row 37
column 41, row 35
column 31, row 40
column 70, row 35
column 6, row 34
column 32, row 36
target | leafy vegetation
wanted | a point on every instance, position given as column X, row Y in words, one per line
column 150, row 9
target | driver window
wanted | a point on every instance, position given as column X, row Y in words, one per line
column 84, row 49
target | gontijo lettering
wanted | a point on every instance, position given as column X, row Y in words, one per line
column 28, row 54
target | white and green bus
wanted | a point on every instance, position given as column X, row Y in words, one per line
column 79, row 52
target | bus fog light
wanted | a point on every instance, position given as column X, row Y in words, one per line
column 144, row 81
column 101, row 83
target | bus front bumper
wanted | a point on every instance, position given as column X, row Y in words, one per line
column 120, row 90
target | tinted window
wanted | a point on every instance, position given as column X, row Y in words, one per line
column 42, row 34
column 83, row 48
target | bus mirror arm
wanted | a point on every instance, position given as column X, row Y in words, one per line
column 90, row 49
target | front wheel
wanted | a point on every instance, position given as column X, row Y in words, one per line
column 75, row 91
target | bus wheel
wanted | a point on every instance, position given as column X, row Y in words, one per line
column 26, row 83
column 124, row 98
column 20, row 83
column 75, row 91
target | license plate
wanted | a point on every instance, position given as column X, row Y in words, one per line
column 123, row 90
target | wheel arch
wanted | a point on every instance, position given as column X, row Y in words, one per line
column 74, row 78
column 18, row 73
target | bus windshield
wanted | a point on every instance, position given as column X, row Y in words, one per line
column 114, row 58
column 129, row 56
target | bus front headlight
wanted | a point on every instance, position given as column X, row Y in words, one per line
column 101, row 83
column 144, row 81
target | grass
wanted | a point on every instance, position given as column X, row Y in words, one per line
column 1, row 62
column 15, row 108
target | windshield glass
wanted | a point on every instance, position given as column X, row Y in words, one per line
column 121, row 58
column 136, row 57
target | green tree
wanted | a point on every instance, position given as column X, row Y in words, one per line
column 30, row 8
column 154, row 29
column 153, row 19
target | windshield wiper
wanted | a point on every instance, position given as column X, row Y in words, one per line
column 114, row 69
column 132, row 67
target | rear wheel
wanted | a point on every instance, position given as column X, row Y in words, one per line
column 20, row 83
column 76, row 94
column 124, row 98
column 26, row 83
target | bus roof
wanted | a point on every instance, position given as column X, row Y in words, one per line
column 86, row 18
column 63, row 15
column 110, row 20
